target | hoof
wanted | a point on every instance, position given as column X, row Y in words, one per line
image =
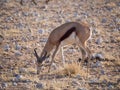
column 86, row 62
column 79, row 60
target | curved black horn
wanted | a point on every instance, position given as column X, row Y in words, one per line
column 36, row 53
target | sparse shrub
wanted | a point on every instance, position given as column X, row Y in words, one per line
column 72, row 69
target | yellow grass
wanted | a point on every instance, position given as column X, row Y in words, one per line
column 72, row 70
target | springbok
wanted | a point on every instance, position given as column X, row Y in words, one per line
column 68, row 33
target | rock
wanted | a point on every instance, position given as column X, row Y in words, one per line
column 98, row 64
column 74, row 83
column 14, row 84
column 99, row 40
column 54, row 66
column 70, row 51
column 102, row 72
column 25, row 13
column 78, row 77
column 18, row 77
column 118, row 4
column 109, row 8
column 6, row 47
column 4, row 85
column 113, row 40
column 94, row 80
column 43, row 39
column 26, row 81
column 104, row 20
column 80, row 88
column 20, row 26
column 98, row 56
column 22, row 70
column 95, row 31
column 8, row 19
column 17, row 46
column 110, row 87
column 39, row 85
column 1, row 67
column 40, row 31
column 18, row 53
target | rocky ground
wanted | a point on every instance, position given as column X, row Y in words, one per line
column 25, row 27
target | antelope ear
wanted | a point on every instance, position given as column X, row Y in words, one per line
column 45, row 54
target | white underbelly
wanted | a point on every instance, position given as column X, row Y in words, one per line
column 72, row 39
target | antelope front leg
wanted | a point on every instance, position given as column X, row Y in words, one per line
column 21, row 2
column 89, row 53
column 52, row 58
column 62, row 55
column 84, row 51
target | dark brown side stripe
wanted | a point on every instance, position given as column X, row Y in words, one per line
column 67, row 34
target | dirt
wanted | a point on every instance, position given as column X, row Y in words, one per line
column 25, row 27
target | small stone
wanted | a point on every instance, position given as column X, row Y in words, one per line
column 20, row 26
column 99, row 56
column 18, row 77
column 43, row 40
column 70, row 51
column 18, row 53
column 7, row 47
column 98, row 64
column 104, row 20
column 54, row 66
column 1, row 67
column 17, row 46
column 102, row 72
column 109, row 8
column 74, row 83
column 118, row 4
column 8, row 19
column 14, row 84
column 25, row 13
column 80, row 89
column 110, row 87
column 27, row 81
column 39, row 85
column 94, row 80
column 22, row 70
column 40, row 31
column 4, row 85
column 99, row 40
column 78, row 77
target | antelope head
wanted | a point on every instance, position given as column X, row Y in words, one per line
column 40, row 59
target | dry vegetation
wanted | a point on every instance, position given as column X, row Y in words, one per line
column 25, row 27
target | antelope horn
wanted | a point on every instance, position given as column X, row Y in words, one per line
column 36, row 53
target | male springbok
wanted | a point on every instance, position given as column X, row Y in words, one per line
column 68, row 33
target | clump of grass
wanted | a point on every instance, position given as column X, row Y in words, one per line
column 109, row 57
column 72, row 69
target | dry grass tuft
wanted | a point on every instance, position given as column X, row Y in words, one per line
column 109, row 56
column 72, row 69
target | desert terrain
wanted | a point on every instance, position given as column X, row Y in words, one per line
column 25, row 27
